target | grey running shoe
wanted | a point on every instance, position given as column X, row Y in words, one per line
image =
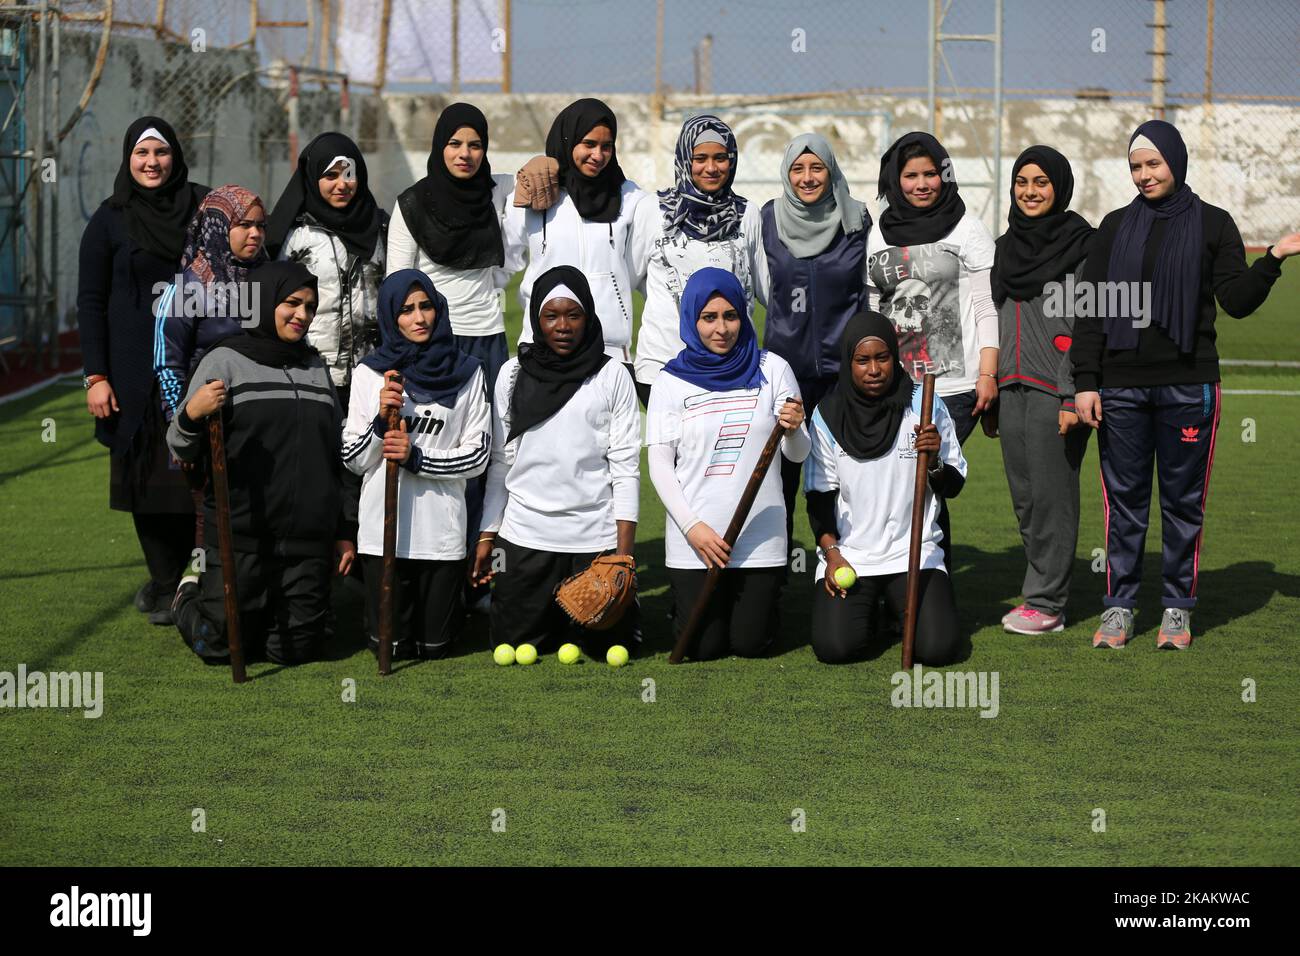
column 1175, row 629
column 1116, row 627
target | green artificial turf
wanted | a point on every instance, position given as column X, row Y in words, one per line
column 715, row 768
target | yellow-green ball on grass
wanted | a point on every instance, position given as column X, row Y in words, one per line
column 616, row 656
column 525, row 654
column 504, row 655
column 568, row 654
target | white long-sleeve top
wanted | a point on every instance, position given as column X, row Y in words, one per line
column 449, row 446
column 873, row 510
column 664, row 264
column 565, row 483
column 473, row 295
column 703, row 447
column 937, row 295
column 602, row 251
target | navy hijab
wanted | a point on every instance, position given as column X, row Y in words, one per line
column 740, row 366
column 433, row 372
column 1176, row 282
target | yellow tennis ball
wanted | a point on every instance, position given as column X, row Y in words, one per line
column 504, row 655
column 525, row 654
column 845, row 577
column 568, row 654
column 616, row 656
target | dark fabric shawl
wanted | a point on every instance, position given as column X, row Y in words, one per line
column 546, row 379
column 1176, row 282
column 865, row 427
column 453, row 220
column 1036, row 250
column 357, row 224
column 903, row 224
column 598, row 198
column 433, row 371
column 272, row 283
column 156, row 219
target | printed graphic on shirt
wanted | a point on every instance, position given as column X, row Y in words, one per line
column 680, row 258
column 423, row 424
column 735, row 414
column 919, row 293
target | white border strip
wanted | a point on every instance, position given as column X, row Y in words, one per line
column 1256, row 391
column 1259, row 363
column 44, row 383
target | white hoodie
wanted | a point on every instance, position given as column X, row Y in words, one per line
column 601, row 251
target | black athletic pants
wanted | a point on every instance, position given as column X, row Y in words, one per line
column 841, row 627
column 742, row 615
column 524, row 609
column 284, row 605
column 167, row 541
column 428, row 603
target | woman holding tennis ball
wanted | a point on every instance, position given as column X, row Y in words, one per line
column 859, row 483
column 563, row 485
column 710, row 413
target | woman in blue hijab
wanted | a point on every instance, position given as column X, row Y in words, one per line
column 710, row 414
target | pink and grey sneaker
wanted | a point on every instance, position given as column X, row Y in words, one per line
column 1026, row 620
column 1175, row 630
column 1115, row 629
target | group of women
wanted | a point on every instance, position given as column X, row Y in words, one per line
column 305, row 327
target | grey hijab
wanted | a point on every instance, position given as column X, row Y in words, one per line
column 806, row 230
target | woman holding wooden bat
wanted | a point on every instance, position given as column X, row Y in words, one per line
column 443, row 439
column 859, row 483
column 287, row 517
column 710, row 411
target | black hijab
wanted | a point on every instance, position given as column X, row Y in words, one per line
column 356, row 224
column 598, row 198
column 272, row 283
column 1036, row 250
column 547, row 380
column 453, row 220
column 903, row 224
column 865, row 427
column 156, row 219
column 1176, row 281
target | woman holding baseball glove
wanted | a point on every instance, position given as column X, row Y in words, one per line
column 859, row 482
column 442, row 440
column 563, row 482
column 710, row 412
column 1147, row 371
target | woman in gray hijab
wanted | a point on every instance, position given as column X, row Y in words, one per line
column 815, row 246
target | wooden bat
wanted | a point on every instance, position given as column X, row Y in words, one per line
column 226, row 543
column 918, row 517
column 391, row 416
column 712, row 576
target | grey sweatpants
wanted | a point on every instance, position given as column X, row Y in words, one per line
column 1043, row 472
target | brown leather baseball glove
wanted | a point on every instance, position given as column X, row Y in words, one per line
column 597, row 597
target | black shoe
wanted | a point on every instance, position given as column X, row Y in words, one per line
column 145, row 599
column 402, row 650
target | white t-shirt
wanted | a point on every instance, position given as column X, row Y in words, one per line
column 473, row 295
column 873, row 511
column 937, row 296
column 565, row 483
column 663, row 266
column 602, row 251
column 454, row 445
column 718, row 438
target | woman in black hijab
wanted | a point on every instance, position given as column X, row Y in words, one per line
column 328, row 219
column 131, row 250
column 1043, row 444
column 1150, row 359
column 563, row 484
column 289, row 517
column 859, row 482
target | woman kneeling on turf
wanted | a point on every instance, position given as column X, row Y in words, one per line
column 563, row 484
column 443, row 439
column 281, row 419
column 859, row 483
column 710, row 413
